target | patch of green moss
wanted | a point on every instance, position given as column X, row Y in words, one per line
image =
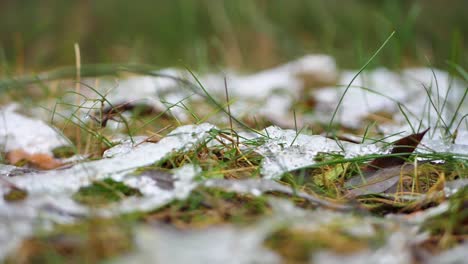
column 64, row 151
column 103, row 192
column 15, row 194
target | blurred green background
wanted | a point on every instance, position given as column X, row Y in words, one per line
column 242, row 34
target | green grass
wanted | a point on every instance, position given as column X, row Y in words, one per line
column 103, row 192
column 241, row 34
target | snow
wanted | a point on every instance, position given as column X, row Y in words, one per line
column 18, row 132
column 382, row 90
column 162, row 244
column 269, row 93
column 49, row 193
column 145, row 154
column 287, row 151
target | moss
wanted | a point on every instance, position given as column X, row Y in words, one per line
column 103, row 192
column 15, row 194
column 64, row 151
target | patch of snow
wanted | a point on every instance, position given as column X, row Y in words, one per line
column 50, row 193
column 287, row 151
column 441, row 146
column 284, row 77
column 455, row 255
column 71, row 179
column 125, row 146
column 163, row 244
column 224, row 244
column 452, row 187
column 19, row 220
column 32, row 136
column 269, row 93
column 462, row 137
column 383, row 91
column 154, row 196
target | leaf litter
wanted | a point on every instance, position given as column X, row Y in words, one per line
column 48, row 201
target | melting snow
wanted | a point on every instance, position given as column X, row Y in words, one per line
column 32, row 136
column 287, row 151
column 270, row 93
column 162, row 244
column 382, row 90
column 69, row 180
column 49, row 193
column 225, row 244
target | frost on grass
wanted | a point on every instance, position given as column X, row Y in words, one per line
column 18, row 132
column 49, row 193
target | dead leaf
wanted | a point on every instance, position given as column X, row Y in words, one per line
column 163, row 179
column 111, row 112
column 377, row 182
column 405, row 146
column 38, row 160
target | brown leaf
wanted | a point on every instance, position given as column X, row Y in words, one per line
column 405, row 146
column 163, row 179
column 38, row 160
column 111, row 112
column 377, row 182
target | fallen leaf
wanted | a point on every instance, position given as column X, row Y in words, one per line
column 405, row 146
column 111, row 112
column 377, row 182
column 163, row 179
column 38, row 160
